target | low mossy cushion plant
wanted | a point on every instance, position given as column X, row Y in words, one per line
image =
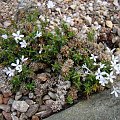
column 81, row 65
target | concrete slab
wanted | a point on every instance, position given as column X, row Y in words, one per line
column 101, row 106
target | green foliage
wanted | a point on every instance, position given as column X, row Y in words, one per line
column 77, row 57
column 74, row 77
column 16, row 82
column 50, row 44
column 89, row 83
column 30, row 86
column 56, row 67
column 107, row 66
column 91, row 35
column 69, row 100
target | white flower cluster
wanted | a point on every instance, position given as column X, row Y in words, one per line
column 104, row 77
column 17, row 67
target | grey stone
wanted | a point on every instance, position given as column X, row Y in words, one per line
column 32, row 110
column 52, row 95
column 23, row 117
column 14, row 117
column 1, row 117
column 7, row 23
column 18, row 96
column 102, row 106
column 7, row 115
column 29, row 102
column 6, row 108
column 44, row 111
column 31, row 95
column 21, row 106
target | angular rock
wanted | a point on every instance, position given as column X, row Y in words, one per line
column 5, row 100
column 35, row 117
column 18, row 96
column 6, row 108
column 14, row 117
column 117, row 29
column 73, row 6
column 32, row 110
column 20, row 106
column 23, row 117
column 31, row 95
column 7, row 23
column 7, row 94
column 109, row 24
column 1, row 117
column 49, row 102
column 1, row 98
column 52, row 95
column 43, row 76
column 88, row 20
column 7, row 115
column 46, row 97
column 45, row 111
column 10, row 101
column 1, row 25
column 29, row 102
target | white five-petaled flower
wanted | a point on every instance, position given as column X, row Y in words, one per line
column 101, row 78
column 50, row 4
column 100, row 74
column 38, row 34
column 102, row 65
column 23, row 59
column 103, row 81
column 115, row 91
column 93, row 57
column 23, row 44
column 17, row 36
column 4, row 36
column 109, row 51
column 117, row 68
column 17, row 66
column 110, row 77
column 85, row 67
column 115, row 59
column 10, row 72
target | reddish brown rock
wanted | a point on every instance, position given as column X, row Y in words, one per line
column 35, row 117
column 7, row 115
column 7, row 94
column 5, row 100
column 1, row 98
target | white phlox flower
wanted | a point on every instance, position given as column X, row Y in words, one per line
column 102, row 65
column 115, row 91
column 17, row 66
column 23, row 59
column 4, row 36
column 10, row 72
column 17, row 36
column 38, row 34
column 111, row 77
column 100, row 76
column 93, row 57
column 23, row 44
column 84, row 66
column 109, row 51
